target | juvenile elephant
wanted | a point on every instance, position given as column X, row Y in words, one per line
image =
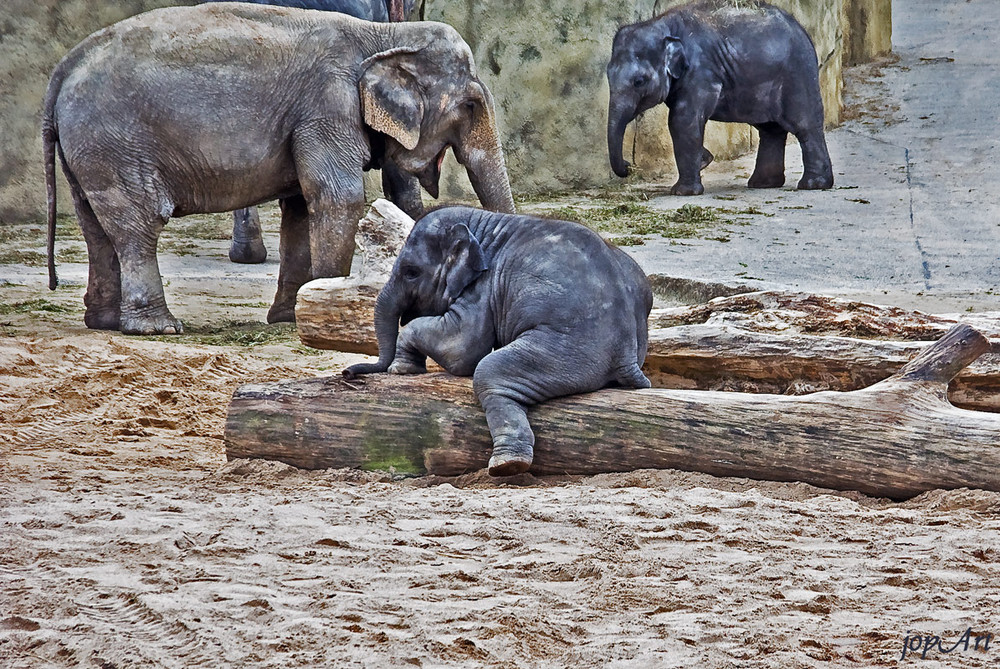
column 565, row 312
column 715, row 61
column 215, row 107
column 247, row 243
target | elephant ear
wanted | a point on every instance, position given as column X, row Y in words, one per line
column 390, row 97
column 464, row 262
column 673, row 57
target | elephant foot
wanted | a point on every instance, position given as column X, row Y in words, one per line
column 102, row 319
column 250, row 252
column 150, row 325
column 766, row 180
column 687, row 189
column 281, row 313
column 406, row 367
column 509, row 460
column 706, row 158
column 815, row 182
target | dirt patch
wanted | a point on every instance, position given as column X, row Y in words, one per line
column 128, row 540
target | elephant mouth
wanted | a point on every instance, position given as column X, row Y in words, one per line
column 431, row 175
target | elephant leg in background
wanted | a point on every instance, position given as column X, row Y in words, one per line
column 247, row 246
column 332, row 180
column 293, row 250
column 687, row 132
column 817, row 172
column 769, row 171
column 403, row 189
column 103, row 298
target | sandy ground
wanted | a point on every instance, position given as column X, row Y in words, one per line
column 127, row 540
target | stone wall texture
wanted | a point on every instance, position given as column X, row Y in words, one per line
column 544, row 61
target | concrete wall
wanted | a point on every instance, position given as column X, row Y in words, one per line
column 544, row 61
column 34, row 36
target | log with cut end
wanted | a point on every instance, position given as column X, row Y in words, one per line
column 896, row 438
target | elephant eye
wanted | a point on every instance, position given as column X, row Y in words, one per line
column 410, row 272
column 640, row 81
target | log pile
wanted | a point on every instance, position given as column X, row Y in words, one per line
column 896, row 438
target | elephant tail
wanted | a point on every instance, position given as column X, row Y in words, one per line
column 50, row 137
column 630, row 375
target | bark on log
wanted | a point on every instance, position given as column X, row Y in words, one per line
column 896, row 439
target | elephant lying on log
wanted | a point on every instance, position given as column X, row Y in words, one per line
column 897, row 438
column 149, row 116
column 530, row 308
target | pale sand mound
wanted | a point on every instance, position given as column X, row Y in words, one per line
column 127, row 540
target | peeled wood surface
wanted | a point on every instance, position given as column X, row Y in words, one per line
column 897, row 438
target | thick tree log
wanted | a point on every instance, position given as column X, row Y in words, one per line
column 896, row 438
column 722, row 357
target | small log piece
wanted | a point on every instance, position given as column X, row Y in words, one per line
column 896, row 439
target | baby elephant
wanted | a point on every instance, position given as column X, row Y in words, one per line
column 718, row 60
column 531, row 308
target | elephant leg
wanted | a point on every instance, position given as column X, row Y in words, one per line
column 687, row 132
column 135, row 231
column 817, row 170
column 403, row 189
column 706, row 158
column 247, row 246
column 333, row 186
column 529, row 370
column 770, row 169
column 293, row 250
column 457, row 341
column 103, row 298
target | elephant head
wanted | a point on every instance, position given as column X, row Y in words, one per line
column 439, row 260
column 428, row 98
column 645, row 61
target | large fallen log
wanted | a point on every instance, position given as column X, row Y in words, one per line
column 896, row 438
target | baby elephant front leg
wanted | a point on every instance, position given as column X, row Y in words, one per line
column 456, row 349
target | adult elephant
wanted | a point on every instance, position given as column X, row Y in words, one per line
column 211, row 108
column 752, row 63
column 247, row 244
column 530, row 308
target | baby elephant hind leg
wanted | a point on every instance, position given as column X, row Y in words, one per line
column 769, row 171
column 529, row 370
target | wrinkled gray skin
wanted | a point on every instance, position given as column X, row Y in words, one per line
column 215, row 107
column 247, row 244
column 565, row 311
column 710, row 61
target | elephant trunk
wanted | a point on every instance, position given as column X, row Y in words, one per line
column 618, row 118
column 483, row 158
column 387, row 314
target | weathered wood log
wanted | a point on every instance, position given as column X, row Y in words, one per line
column 896, row 438
column 722, row 357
